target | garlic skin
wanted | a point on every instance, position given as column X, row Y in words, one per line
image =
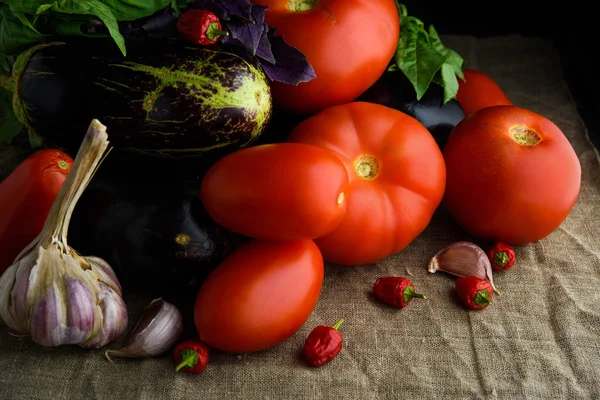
column 463, row 259
column 53, row 293
column 157, row 331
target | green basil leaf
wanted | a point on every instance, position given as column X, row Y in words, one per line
column 97, row 9
column 450, row 83
column 424, row 59
column 43, row 8
column 26, row 6
column 452, row 57
column 20, row 15
column 10, row 126
column 14, row 35
column 418, row 60
column 72, row 27
column 128, row 10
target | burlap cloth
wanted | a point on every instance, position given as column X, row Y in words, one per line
column 540, row 339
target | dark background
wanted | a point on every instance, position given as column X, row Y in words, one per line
column 572, row 25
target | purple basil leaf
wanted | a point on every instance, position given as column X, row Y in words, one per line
column 291, row 66
column 224, row 9
column 230, row 41
column 264, row 46
column 249, row 34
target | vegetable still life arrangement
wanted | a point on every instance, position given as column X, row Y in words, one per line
column 266, row 154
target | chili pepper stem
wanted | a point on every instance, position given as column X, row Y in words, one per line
column 189, row 359
column 410, row 293
column 338, row 324
column 213, row 31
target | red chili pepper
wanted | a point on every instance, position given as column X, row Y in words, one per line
column 502, row 256
column 323, row 344
column 191, row 356
column 200, row 27
column 475, row 293
column 396, row 291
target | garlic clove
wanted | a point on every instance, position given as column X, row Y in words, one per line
column 115, row 320
column 14, row 286
column 157, row 331
column 105, row 272
column 463, row 259
column 7, row 282
column 53, row 324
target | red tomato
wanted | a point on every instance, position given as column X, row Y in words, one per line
column 397, row 178
column 282, row 191
column 479, row 91
column 512, row 175
column 349, row 43
column 26, row 197
column 260, row 295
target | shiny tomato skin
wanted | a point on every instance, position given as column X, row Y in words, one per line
column 500, row 190
column 349, row 44
column 26, row 197
column 385, row 213
column 260, row 295
column 478, row 91
column 281, row 191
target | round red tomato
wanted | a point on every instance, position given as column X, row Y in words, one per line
column 349, row 44
column 282, row 191
column 260, row 295
column 479, row 91
column 512, row 175
column 397, row 178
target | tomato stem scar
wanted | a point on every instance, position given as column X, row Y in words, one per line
column 367, row 167
column 301, row 5
column 525, row 136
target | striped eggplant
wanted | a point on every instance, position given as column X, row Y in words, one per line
column 164, row 99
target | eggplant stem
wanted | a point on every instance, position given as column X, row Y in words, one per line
column 8, row 82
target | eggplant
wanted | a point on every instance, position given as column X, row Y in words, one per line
column 394, row 90
column 157, row 236
column 164, row 99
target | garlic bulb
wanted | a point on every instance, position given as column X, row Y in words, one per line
column 53, row 293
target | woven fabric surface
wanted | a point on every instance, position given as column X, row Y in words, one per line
column 539, row 340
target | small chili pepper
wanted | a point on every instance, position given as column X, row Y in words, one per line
column 323, row 344
column 475, row 293
column 502, row 256
column 396, row 291
column 200, row 27
column 191, row 356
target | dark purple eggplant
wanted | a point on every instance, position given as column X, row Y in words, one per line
column 165, row 99
column 157, row 236
column 394, row 90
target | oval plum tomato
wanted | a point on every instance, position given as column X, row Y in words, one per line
column 397, row 177
column 479, row 91
column 26, row 197
column 349, row 44
column 260, row 295
column 512, row 175
column 280, row 191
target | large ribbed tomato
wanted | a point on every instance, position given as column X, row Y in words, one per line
column 349, row 43
column 397, row 178
column 512, row 175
